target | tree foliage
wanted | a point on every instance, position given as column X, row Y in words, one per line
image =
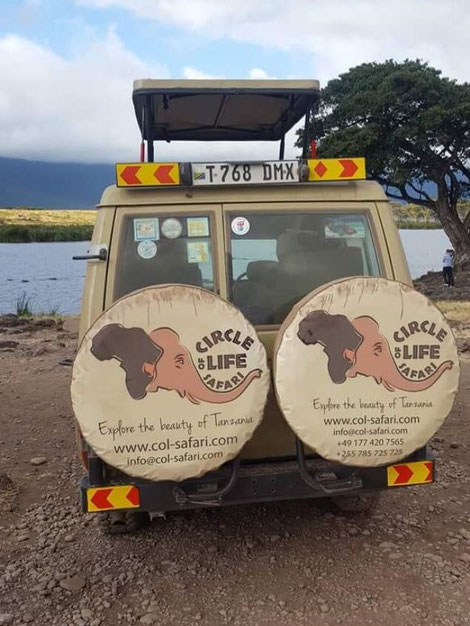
column 413, row 127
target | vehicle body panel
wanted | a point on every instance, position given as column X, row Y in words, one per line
column 273, row 438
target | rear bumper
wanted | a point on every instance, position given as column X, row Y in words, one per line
column 249, row 483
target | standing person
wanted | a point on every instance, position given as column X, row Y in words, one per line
column 448, row 267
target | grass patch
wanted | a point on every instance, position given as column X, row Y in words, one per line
column 40, row 225
column 455, row 311
column 23, row 305
column 24, row 308
column 408, row 225
column 54, row 311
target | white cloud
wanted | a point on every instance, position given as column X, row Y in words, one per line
column 80, row 109
column 192, row 73
column 256, row 73
column 338, row 34
column 68, row 109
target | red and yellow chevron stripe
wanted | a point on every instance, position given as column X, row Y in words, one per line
column 108, row 498
column 147, row 174
column 416, row 473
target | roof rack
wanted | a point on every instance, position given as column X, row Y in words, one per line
column 222, row 110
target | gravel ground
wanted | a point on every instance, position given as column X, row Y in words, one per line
column 407, row 563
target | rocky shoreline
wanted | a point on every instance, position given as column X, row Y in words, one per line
column 432, row 285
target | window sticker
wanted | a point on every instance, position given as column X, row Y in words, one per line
column 198, row 251
column 146, row 228
column 198, row 226
column 147, row 249
column 172, row 228
column 344, row 227
column 240, row 226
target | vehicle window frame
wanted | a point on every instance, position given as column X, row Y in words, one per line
column 162, row 212
column 230, row 212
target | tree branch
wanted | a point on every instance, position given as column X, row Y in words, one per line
column 411, row 200
column 392, row 195
column 454, row 190
column 405, row 196
column 421, row 192
column 465, row 170
column 429, row 156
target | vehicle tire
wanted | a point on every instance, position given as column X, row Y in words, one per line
column 219, row 385
column 364, row 502
column 365, row 351
column 123, row 522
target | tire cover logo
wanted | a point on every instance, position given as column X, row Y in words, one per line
column 169, row 383
column 379, row 370
column 158, row 360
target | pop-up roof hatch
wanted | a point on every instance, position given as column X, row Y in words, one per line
column 221, row 110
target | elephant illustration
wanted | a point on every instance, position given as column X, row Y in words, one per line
column 159, row 361
column 357, row 347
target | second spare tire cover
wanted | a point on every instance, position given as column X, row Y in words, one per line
column 169, row 383
column 366, row 370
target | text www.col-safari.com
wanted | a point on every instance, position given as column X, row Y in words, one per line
column 188, row 455
column 191, row 454
column 373, row 421
column 179, row 444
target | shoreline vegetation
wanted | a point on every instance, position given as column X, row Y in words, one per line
column 26, row 225
column 412, row 216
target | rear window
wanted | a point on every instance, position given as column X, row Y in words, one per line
column 165, row 249
column 277, row 259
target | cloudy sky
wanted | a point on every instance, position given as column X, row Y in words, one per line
column 67, row 66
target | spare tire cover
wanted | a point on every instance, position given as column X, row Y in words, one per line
column 365, row 370
column 169, row 383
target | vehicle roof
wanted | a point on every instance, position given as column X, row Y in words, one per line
column 352, row 191
column 221, row 110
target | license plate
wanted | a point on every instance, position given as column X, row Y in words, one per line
column 245, row 173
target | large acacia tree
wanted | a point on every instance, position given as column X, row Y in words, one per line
column 413, row 127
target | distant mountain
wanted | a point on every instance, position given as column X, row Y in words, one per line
column 52, row 185
column 61, row 185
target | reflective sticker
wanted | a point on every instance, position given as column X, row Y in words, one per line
column 344, row 227
column 336, row 169
column 147, row 249
column 172, row 228
column 107, row 498
column 147, row 174
column 416, row 473
column 198, row 226
column 198, row 251
column 240, row 226
column 146, row 228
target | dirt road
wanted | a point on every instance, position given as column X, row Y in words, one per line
column 406, row 564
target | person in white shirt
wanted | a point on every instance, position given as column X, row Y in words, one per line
column 448, row 267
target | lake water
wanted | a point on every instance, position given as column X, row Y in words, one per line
column 49, row 276
column 45, row 272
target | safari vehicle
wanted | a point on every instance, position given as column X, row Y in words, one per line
column 200, row 267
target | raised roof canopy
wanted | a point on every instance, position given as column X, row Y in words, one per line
column 221, row 110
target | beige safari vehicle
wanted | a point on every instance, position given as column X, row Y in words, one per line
column 248, row 330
